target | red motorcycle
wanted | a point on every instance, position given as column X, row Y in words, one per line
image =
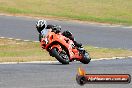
column 63, row 49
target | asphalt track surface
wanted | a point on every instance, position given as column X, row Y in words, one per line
column 92, row 34
column 55, row 75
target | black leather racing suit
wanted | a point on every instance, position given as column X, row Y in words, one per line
column 69, row 35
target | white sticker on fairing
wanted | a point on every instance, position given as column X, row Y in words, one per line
column 46, row 40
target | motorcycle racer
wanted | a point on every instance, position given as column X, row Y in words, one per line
column 43, row 29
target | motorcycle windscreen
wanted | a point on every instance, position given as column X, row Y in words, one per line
column 44, row 32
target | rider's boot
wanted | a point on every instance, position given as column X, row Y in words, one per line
column 80, row 47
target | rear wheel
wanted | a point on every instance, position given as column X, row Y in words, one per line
column 86, row 58
column 62, row 56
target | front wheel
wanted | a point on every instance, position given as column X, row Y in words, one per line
column 62, row 56
column 86, row 58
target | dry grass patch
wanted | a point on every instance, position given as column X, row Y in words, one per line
column 111, row 11
column 107, row 52
column 19, row 51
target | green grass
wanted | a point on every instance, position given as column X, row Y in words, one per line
column 19, row 51
column 97, row 53
column 108, row 11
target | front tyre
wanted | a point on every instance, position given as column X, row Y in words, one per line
column 86, row 58
column 62, row 56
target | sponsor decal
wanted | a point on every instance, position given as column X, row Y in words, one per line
column 83, row 78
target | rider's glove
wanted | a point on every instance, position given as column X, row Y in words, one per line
column 56, row 29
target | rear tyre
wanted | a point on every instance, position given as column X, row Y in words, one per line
column 86, row 58
column 62, row 56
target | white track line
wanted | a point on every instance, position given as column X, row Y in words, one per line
column 117, row 26
column 2, row 37
column 56, row 61
column 130, row 56
column 46, row 62
column 26, row 40
column 129, row 27
column 53, row 62
column 18, row 39
column 10, row 38
column 35, row 41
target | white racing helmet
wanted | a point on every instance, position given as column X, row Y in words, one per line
column 42, row 24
